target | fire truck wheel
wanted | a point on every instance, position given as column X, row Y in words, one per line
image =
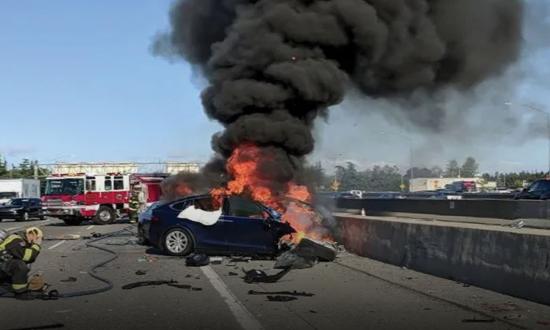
column 72, row 221
column 104, row 216
column 177, row 242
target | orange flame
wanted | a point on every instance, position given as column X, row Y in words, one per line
column 244, row 167
column 183, row 190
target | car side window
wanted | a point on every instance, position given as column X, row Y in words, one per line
column 544, row 186
column 205, row 204
column 179, row 206
column 241, row 207
column 534, row 187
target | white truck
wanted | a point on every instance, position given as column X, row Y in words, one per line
column 18, row 188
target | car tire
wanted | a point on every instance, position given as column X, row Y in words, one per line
column 23, row 217
column 104, row 216
column 177, row 242
column 72, row 221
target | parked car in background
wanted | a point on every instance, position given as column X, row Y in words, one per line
column 539, row 189
column 22, row 209
column 195, row 224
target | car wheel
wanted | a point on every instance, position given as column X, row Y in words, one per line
column 177, row 242
column 104, row 216
column 72, row 221
column 24, row 217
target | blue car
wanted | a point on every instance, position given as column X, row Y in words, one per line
column 240, row 226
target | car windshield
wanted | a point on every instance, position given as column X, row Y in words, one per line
column 16, row 202
column 65, row 187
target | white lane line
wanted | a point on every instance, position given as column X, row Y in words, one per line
column 90, row 227
column 56, row 245
column 243, row 316
column 13, row 228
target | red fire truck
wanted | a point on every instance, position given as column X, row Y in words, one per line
column 102, row 198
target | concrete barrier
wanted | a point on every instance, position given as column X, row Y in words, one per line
column 483, row 208
column 506, row 260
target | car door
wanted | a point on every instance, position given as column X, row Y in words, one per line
column 246, row 226
column 33, row 208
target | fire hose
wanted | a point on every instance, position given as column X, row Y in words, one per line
column 55, row 294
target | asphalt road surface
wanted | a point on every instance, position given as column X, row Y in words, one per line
column 351, row 293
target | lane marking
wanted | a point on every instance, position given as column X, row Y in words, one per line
column 90, row 227
column 243, row 316
column 13, row 228
column 56, row 245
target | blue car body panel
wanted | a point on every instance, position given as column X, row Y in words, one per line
column 229, row 235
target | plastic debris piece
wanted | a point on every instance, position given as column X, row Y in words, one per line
column 197, row 260
column 259, row 276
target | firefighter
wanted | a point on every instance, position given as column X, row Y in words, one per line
column 136, row 200
column 17, row 252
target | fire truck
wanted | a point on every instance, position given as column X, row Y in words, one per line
column 101, row 193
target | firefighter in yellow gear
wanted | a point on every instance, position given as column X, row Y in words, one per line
column 17, row 252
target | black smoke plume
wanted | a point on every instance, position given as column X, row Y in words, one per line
column 273, row 66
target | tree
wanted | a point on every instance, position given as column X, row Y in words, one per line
column 437, row 172
column 452, row 170
column 3, row 167
column 314, row 176
column 349, row 177
column 469, row 168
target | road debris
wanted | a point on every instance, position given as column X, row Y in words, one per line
column 197, row 260
column 504, row 307
column 216, row 260
column 306, row 254
column 68, row 237
column 259, row 276
column 287, row 293
column 281, row 298
column 171, row 283
column 478, row 320
column 141, row 272
column 232, row 274
column 69, row 279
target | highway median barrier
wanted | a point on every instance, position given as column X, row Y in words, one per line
column 513, row 261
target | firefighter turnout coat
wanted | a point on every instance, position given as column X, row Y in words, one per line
column 15, row 255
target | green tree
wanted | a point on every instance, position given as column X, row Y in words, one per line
column 3, row 167
column 452, row 170
column 469, row 168
column 349, row 177
column 314, row 177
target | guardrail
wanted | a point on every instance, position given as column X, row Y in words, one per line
column 480, row 208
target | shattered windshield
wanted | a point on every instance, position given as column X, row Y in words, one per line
column 65, row 187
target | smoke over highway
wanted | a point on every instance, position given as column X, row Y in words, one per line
column 273, row 66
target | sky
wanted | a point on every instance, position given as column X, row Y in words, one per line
column 78, row 83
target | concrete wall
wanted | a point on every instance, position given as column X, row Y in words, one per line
column 500, row 260
column 483, row 208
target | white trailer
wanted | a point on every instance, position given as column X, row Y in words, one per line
column 18, row 188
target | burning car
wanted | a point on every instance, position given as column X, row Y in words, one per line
column 232, row 225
